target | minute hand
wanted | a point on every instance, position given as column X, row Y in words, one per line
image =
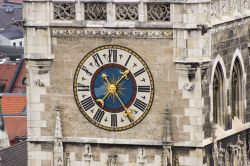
column 128, row 112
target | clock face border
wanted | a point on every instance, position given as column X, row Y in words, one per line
column 77, row 100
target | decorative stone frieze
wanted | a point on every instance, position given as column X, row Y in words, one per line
column 95, row 11
column 127, row 11
column 225, row 10
column 109, row 33
column 158, row 12
column 235, row 25
column 64, row 11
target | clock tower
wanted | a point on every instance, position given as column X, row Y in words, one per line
column 137, row 82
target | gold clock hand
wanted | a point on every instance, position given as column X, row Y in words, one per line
column 124, row 75
column 128, row 112
column 101, row 101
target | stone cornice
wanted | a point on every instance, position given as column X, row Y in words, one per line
column 236, row 24
column 111, row 33
column 103, row 141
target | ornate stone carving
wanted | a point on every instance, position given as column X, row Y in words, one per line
column 95, row 11
column 39, row 83
column 224, row 7
column 189, row 86
column 76, row 33
column 215, row 9
column 230, row 26
column 158, row 12
column 127, row 12
column 64, row 11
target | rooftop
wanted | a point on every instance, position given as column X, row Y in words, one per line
column 16, row 34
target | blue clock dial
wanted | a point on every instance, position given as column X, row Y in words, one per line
column 113, row 88
column 102, row 89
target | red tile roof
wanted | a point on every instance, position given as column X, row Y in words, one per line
column 14, row 115
column 16, row 126
column 6, row 74
column 13, row 103
column 18, row 84
column 12, row 75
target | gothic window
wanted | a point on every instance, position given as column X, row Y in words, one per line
column 218, row 97
column 236, row 85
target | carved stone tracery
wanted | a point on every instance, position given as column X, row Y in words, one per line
column 127, row 11
column 95, row 11
column 158, row 12
column 64, row 11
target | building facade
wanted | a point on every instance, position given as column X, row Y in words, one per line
column 142, row 82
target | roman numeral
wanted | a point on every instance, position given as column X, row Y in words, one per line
column 113, row 120
column 87, row 103
column 112, row 54
column 127, row 60
column 86, row 70
column 82, row 87
column 140, row 105
column 98, row 115
column 97, row 59
column 143, row 88
column 139, row 72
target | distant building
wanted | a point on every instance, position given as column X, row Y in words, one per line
column 10, row 34
column 14, row 116
column 12, row 38
column 14, row 155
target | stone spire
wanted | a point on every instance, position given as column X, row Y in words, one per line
column 58, row 144
column 167, row 141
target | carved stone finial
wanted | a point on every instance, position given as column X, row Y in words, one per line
column 112, row 160
column 67, row 159
column 141, row 157
column 88, row 156
column 58, row 144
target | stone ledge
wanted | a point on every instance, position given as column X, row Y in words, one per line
column 90, row 140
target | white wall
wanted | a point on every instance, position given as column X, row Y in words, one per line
column 18, row 42
column 4, row 40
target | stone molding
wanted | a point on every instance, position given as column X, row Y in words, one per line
column 229, row 26
column 90, row 140
column 78, row 33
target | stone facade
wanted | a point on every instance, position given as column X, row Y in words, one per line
column 181, row 41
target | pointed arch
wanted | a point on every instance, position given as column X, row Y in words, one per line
column 237, row 86
column 217, row 92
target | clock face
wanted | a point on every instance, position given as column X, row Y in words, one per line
column 113, row 87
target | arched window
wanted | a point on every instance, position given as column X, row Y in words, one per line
column 218, row 97
column 236, row 85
